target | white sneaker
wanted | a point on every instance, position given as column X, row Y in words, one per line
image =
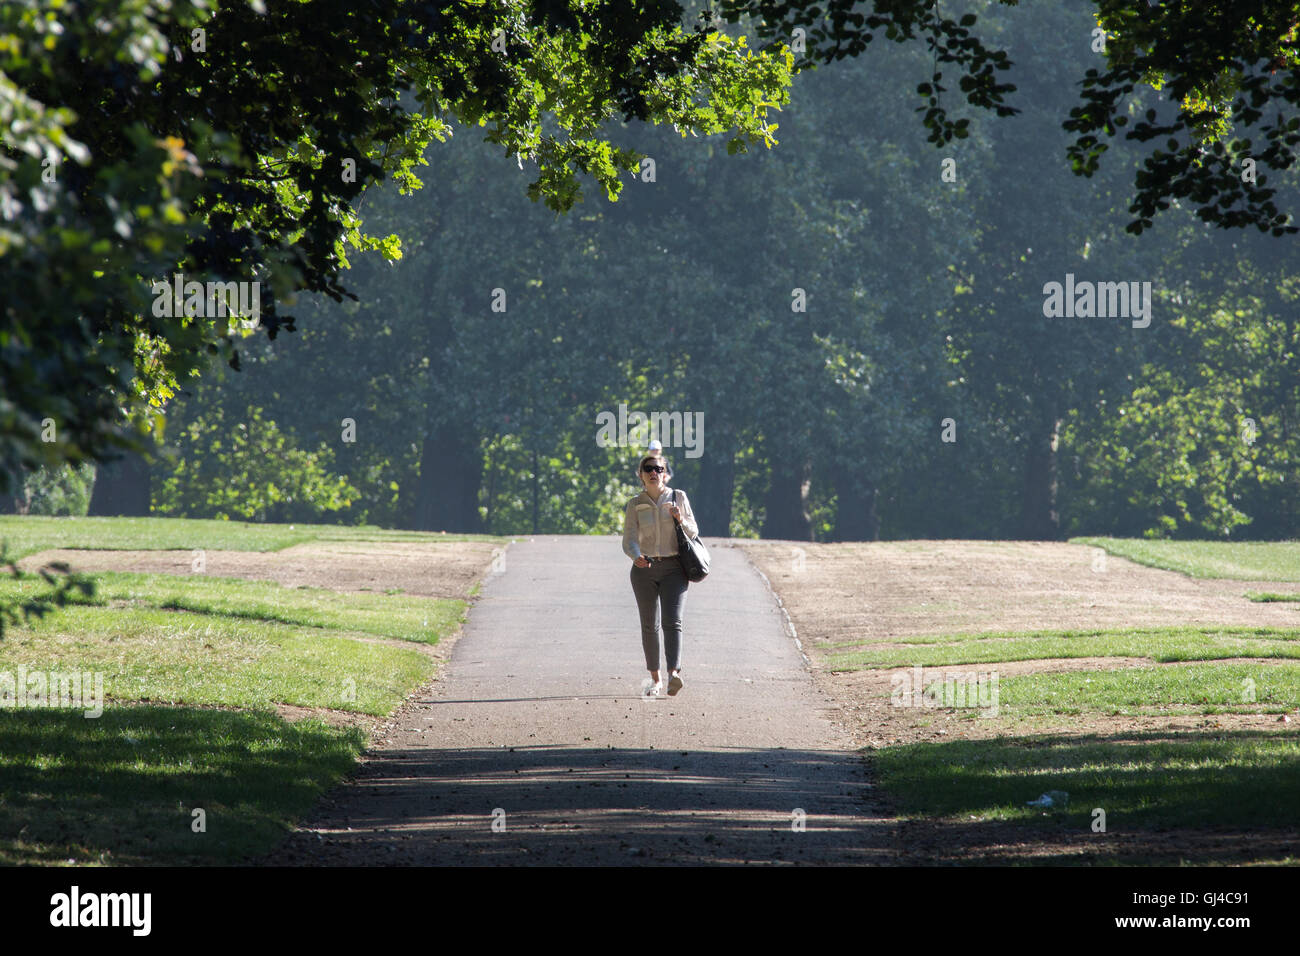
column 655, row 689
column 674, row 685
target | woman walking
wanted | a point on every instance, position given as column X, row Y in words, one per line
column 650, row 540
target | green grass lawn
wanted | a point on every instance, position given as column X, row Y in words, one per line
column 192, row 669
column 123, row 788
column 1271, row 597
column 1234, row 560
column 1216, row 778
column 182, row 658
column 1236, row 687
column 397, row 616
column 28, row 534
column 1162, row 644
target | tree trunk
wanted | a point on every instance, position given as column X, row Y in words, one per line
column 712, row 505
column 855, row 513
column 11, row 492
column 1038, row 517
column 787, row 515
column 491, row 490
column 537, row 480
column 122, row 487
column 447, row 489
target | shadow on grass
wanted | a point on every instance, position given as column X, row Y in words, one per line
column 122, row 788
column 1193, row 795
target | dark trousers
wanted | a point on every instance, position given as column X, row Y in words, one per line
column 661, row 586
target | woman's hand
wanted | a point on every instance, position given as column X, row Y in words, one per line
column 676, row 513
column 641, row 561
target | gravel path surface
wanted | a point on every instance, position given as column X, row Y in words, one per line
column 536, row 745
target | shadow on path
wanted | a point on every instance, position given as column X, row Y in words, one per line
column 565, row 805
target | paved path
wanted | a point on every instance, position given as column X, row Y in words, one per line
column 538, row 724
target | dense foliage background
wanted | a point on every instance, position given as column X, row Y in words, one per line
column 857, row 314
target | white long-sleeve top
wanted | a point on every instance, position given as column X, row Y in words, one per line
column 648, row 526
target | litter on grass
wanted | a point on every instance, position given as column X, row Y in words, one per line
column 1052, row 798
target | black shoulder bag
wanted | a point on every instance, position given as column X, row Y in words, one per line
column 692, row 553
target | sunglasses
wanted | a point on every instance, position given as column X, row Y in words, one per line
column 653, row 469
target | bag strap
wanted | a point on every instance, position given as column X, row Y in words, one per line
column 689, row 536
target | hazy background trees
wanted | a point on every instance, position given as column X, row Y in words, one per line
column 420, row 405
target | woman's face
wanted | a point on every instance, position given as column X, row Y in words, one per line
column 654, row 481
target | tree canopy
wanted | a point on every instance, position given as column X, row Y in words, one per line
column 1226, row 69
column 229, row 142
column 863, row 333
column 236, row 142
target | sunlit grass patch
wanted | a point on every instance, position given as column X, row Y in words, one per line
column 1228, row 687
column 166, row 656
column 421, row 619
column 1235, row 560
column 28, row 534
column 394, row 615
column 1162, row 644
